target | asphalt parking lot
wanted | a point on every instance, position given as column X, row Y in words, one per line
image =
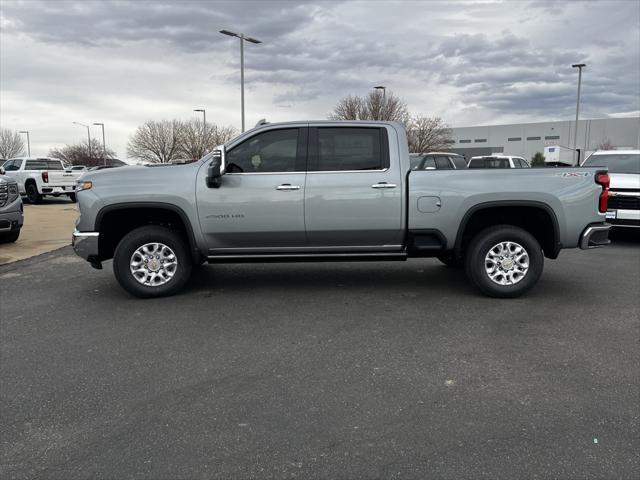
column 333, row 370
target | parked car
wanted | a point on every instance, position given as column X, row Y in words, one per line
column 437, row 161
column 498, row 161
column 11, row 209
column 624, row 191
column 37, row 177
column 261, row 198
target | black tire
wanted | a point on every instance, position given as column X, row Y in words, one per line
column 72, row 197
column 450, row 261
column 32, row 193
column 480, row 246
column 139, row 237
column 9, row 237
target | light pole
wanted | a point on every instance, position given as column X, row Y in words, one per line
column 384, row 96
column 88, row 136
column 579, row 66
column 104, row 145
column 242, row 38
column 28, row 142
column 204, row 115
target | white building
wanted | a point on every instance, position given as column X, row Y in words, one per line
column 526, row 139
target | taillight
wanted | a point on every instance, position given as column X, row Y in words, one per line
column 602, row 178
column 45, row 177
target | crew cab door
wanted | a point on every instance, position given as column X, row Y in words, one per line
column 353, row 195
column 259, row 206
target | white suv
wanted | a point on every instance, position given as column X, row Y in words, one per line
column 498, row 161
column 624, row 190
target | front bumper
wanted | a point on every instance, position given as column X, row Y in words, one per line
column 85, row 244
column 11, row 220
column 595, row 235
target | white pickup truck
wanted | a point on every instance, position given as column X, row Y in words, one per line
column 41, row 176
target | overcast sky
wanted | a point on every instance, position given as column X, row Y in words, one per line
column 471, row 63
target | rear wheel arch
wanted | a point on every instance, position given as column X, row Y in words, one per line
column 115, row 221
column 538, row 218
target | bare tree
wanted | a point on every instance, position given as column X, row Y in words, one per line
column 198, row 139
column 349, row 108
column 374, row 106
column 78, row 154
column 606, row 145
column 428, row 134
column 156, row 142
column 11, row 144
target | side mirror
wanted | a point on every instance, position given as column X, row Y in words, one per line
column 2, row 172
column 216, row 168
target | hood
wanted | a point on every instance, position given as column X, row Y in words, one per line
column 135, row 174
column 5, row 180
column 624, row 180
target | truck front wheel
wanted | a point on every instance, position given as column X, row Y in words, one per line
column 504, row 261
column 152, row 261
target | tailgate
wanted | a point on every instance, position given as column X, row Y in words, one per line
column 62, row 178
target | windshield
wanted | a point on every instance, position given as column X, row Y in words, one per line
column 617, row 163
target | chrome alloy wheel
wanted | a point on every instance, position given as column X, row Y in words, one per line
column 506, row 263
column 153, row 264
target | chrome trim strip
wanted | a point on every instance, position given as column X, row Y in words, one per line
column 319, row 250
column 76, row 233
column 308, row 171
column 307, row 255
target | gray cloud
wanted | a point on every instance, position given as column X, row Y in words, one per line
column 496, row 60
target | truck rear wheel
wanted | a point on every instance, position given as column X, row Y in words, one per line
column 32, row 193
column 504, row 261
column 152, row 261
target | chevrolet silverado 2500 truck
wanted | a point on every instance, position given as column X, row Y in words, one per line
column 310, row 191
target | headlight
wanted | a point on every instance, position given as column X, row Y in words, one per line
column 13, row 193
column 83, row 186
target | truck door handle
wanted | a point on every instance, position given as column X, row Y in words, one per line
column 288, row 186
column 384, row 185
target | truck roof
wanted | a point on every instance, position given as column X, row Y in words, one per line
column 616, row 152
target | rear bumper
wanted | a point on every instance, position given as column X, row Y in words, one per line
column 57, row 189
column 85, row 244
column 595, row 235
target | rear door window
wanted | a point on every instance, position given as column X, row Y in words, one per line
column 442, row 163
column 350, row 148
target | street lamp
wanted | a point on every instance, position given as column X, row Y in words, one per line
column 242, row 38
column 88, row 136
column 579, row 66
column 204, row 115
column 104, row 145
column 384, row 90
column 384, row 96
column 28, row 142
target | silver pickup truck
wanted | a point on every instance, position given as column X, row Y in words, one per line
column 314, row 191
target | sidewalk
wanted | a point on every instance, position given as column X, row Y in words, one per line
column 47, row 227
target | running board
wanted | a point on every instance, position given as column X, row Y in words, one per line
column 308, row 257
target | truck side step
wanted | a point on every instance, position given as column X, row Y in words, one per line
column 308, row 257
